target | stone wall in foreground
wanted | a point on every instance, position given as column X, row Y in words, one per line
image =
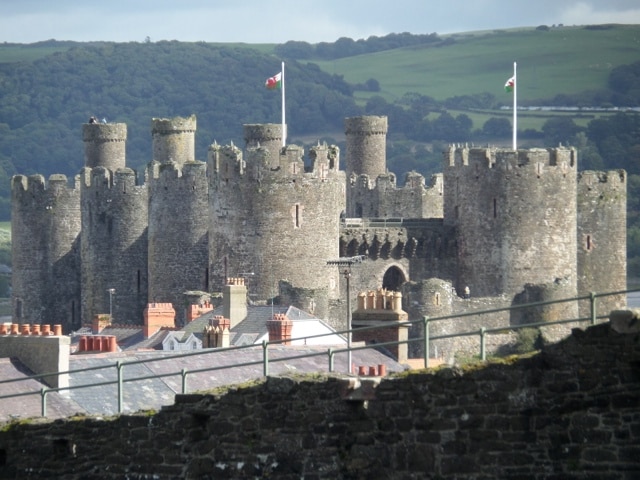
column 569, row 412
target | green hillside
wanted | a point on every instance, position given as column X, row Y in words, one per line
column 561, row 60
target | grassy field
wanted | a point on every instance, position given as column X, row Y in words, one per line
column 560, row 60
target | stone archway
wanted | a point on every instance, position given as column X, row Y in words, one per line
column 393, row 279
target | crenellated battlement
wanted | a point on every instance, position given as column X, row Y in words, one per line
column 602, row 181
column 508, row 159
column 367, row 125
column 170, row 126
column 324, row 157
column 35, row 184
column 104, row 132
column 166, row 172
column 380, row 197
column 122, row 179
column 225, row 161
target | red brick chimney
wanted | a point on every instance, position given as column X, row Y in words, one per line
column 194, row 311
column 280, row 328
column 156, row 316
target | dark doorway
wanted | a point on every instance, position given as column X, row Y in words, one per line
column 393, row 279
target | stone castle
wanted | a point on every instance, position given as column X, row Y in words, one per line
column 512, row 226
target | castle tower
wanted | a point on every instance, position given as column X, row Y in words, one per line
column 602, row 237
column 268, row 136
column 279, row 223
column 366, row 142
column 178, row 233
column 173, row 139
column 114, row 245
column 45, row 228
column 104, row 145
column 515, row 216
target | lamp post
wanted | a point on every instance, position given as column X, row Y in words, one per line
column 347, row 263
column 111, row 292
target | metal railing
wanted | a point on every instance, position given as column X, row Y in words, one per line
column 330, row 352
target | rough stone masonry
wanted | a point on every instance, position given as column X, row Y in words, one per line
column 567, row 412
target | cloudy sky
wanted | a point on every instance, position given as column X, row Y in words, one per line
column 277, row 21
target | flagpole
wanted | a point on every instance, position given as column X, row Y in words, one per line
column 284, row 123
column 515, row 109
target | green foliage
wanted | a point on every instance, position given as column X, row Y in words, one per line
column 45, row 102
column 529, row 339
column 347, row 47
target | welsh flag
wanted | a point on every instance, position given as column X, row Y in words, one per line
column 274, row 82
column 509, row 86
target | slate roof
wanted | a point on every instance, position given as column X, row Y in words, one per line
column 254, row 326
column 157, row 392
column 127, row 337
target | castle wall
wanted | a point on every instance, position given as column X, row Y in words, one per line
column 173, row 139
column 45, row 228
column 570, row 412
column 178, row 233
column 602, row 237
column 515, row 216
column 104, row 145
column 114, row 244
column 279, row 223
column 386, row 200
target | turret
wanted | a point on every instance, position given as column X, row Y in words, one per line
column 173, row 139
column 104, row 145
column 366, row 139
column 268, row 136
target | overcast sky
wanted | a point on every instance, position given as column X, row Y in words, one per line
column 277, row 21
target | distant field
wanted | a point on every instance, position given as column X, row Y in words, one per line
column 526, row 120
column 561, row 60
column 11, row 53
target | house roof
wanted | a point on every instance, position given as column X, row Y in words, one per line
column 128, row 337
column 157, row 392
column 254, row 325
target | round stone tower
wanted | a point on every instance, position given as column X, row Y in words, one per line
column 515, row 216
column 602, row 216
column 366, row 142
column 366, row 145
column 104, row 145
column 45, row 229
column 114, row 245
column 173, row 139
column 268, row 136
column 276, row 223
column 178, row 226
